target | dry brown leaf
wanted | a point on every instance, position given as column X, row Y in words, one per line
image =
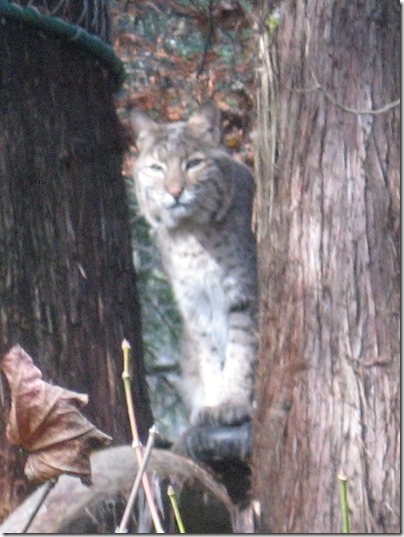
column 45, row 420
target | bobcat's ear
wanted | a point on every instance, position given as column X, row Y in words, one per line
column 142, row 126
column 205, row 123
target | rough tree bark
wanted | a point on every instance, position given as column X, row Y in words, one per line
column 67, row 284
column 328, row 242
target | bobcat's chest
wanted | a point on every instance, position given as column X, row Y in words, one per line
column 196, row 275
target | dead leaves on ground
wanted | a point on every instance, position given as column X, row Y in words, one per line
column 46, row 421
column 168, row 77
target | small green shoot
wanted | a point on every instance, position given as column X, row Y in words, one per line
column 342, row 478
column 272, row 23
column 173, row 500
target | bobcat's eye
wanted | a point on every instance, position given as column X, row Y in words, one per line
column 193, row 163
column 156, row 167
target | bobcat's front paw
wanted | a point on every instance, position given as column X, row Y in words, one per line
column 208, row 444
column 225, row 414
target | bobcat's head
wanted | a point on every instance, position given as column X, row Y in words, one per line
column 178, row 174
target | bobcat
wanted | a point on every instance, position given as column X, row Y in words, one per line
column 198, row 199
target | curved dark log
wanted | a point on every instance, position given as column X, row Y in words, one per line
column 74, row 508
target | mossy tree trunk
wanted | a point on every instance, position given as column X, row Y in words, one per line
column 328, row 395
column 67, row 285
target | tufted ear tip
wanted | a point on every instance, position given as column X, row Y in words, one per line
column 205, row 123
column 142, row 126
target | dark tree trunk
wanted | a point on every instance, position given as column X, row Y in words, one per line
column 328, row 241
column 67, row 284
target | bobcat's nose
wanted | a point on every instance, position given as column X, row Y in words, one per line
column 175, row 190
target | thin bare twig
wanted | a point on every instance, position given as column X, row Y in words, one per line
column 358, row 112
column 331, row 99
column 137, row 446
column 48, row 487
column 208, row 41
column 132, row 496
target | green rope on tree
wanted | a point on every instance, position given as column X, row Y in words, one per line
column 68, row 31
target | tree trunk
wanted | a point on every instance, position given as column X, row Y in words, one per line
column 67, row 285
column 328, row 243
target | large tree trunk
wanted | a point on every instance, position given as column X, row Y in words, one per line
column 328, row 224
column 67, row 284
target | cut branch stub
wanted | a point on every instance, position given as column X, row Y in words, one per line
column 46, row 421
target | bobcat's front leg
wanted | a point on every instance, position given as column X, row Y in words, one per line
column 238, row 374
column 202, row 372
column 228, row 400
